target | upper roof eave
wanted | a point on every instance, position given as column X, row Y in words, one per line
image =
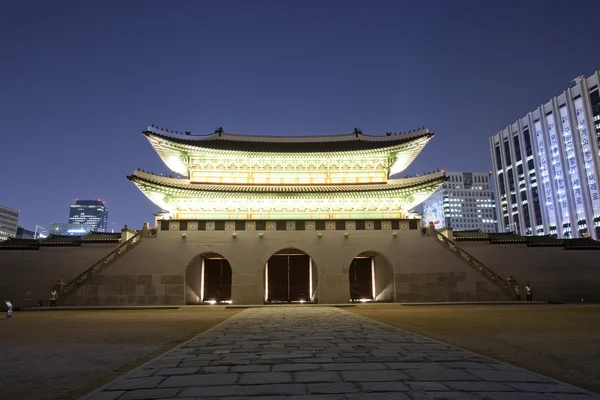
column 288, row 144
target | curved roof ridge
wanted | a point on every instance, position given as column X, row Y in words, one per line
column 289, row 139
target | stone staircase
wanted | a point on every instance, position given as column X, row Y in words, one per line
column 103, row 263
column 471, row 261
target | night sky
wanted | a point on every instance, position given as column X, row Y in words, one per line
column 79, row 81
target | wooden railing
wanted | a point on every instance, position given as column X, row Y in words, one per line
column 102, row 264
column 474, row 263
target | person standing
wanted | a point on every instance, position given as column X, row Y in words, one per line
column 529, row 292
column 53, row 296
column 518, row 292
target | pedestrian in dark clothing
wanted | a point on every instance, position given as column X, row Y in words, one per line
column 518, row 292
column 529, row 292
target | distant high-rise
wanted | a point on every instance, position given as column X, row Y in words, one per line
column 59, row 228
column 547, row 166
column 8, row 222
column 87, row 215
column 23, row 233
column 464, row 202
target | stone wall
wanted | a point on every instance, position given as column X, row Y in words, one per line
column 409, row 267
column 27, row 276
column 556, row 274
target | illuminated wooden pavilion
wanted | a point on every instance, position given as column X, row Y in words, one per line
column 240, row 177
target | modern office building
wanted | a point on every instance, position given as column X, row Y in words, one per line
column 23, row 233
column 59, row 228
column 8, row 222
column 547, row 165
column 464, row 202
column 87, row 215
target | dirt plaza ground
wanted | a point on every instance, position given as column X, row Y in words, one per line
column 559, row 341
column 64, row 354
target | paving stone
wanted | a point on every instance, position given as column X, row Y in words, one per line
column 384, row 387
column 319, row 376
column 295, row 367
column 194, row 363
column 177, row 371
column 214, row 370
column 251, row 368
column 479, row 386
column 144, row 394
column 372, row 376
column 312, row 360
column 354, row 366
column 378, row 396
column 330, row 388
column 444, row 396
column 347, row 360
column 410, row 365
column 212, row 391
column 199, row 380
column 439, row 374
column 507, row 376
column 137, row 383
column 426, row 386
column 516, row 396
column 112, row 395
column 260, row 378
column 275, row 389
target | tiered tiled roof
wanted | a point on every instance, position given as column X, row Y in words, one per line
column 581, row 244
column 470, row 236
column 101, row 237
column 543, row 241
column 140, row 177
column 60, row 241
column 530, row 241
column 19, row 244
column 290, row 144
column 506, row 238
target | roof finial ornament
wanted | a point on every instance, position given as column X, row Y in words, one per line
column 357, row 131
column 388, row 134
column 219, row 130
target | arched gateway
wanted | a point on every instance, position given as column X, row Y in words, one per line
column 208, row 280
column 290, row 277
column 371, row 278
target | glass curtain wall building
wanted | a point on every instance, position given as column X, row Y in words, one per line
column 87, row 215
column 547, row 164
column 464, row 202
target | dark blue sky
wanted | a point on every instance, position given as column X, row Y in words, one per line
column 80, row 80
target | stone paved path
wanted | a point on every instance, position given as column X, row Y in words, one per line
column 325, row 353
